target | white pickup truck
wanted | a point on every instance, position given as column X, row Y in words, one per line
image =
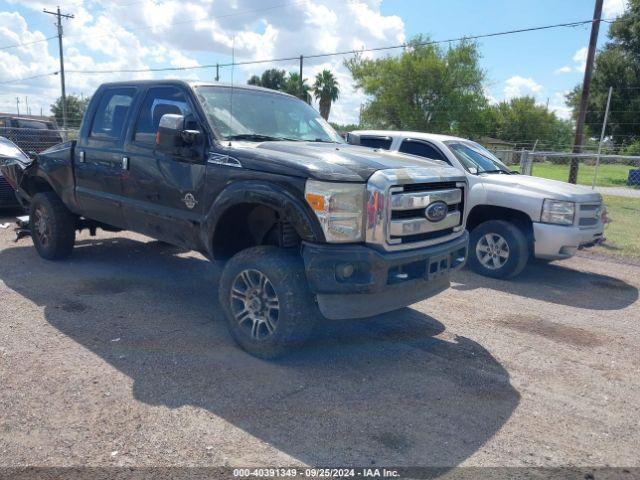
column 511, row 218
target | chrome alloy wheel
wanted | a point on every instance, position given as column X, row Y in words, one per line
column 492, row 251
column 255, row 304
column 42, row 226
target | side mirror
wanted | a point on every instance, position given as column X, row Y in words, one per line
column 172, row 134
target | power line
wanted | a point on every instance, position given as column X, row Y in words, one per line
column 19, row 80
column 24, row 44
column 338, row 53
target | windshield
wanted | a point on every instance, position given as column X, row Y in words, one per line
column 262, row 116
column 475, row 158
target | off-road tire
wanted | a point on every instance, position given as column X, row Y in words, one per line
column 516, row 241
column 61, row 225
column 298, row 312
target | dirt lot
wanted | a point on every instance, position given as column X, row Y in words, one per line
column 119, row 356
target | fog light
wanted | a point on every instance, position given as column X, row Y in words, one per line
column 345, row 270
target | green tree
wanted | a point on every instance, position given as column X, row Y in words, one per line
column 326, row 90
column 617, row 65
column 521, row 120
column 271, row 78
column 76, row 106
column 426, row 88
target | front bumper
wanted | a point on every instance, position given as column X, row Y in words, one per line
column 355, row 281
column 554, row 242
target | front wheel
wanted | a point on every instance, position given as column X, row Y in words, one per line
column 498, row 249
column 267, row 303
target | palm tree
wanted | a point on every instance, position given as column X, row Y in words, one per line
column 326, row 90
column 292, row 87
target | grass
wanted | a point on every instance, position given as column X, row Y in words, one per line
column 609, row 175
column 623, row 233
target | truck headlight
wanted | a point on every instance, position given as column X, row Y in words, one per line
column 339, row 208
column 558, row 212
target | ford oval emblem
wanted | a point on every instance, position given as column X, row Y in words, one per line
column 436, row 211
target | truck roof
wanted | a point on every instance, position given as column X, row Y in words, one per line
column 191, row 84
column 405, row 134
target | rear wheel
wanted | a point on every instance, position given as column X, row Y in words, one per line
column 267, row 303
column 53, row 226
column 498, row 249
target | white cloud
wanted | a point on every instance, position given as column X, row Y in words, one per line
column 579, row 63
column 565, row 69
column 558, row 105
column 613, row 8
column 111, row 36
column 518, row 86
column 580, row 58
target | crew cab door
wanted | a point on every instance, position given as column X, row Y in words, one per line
column 99, row 157
column 163, row 193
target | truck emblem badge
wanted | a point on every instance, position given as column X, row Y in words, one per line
column 436, row 211
column 189, row 200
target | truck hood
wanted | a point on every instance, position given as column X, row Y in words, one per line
column 543, row 187
column 328, row 161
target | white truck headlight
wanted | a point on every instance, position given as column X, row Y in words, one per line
column 558, row 212
column 339, row 208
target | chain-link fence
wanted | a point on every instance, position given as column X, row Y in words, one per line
column 619, row 174
column 35, row 140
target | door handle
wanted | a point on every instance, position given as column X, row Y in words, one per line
column 125, row 163
column 81, row 156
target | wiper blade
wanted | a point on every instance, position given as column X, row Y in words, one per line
column 255, row 137
column 496, row 171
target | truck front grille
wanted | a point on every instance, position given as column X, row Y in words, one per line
column 7, row 195
column 589, row 214
column 398, row 201
column 408, row 221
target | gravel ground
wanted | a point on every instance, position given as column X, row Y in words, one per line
column 119, row 356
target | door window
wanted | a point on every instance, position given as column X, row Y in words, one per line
column 422, row 149
column 158, row 102
column 111, row 114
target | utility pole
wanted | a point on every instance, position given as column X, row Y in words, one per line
column 18, row 105
column 586, row 84
column 217, row 72
column 604, row 127
column 301, row 86
column 62, row 86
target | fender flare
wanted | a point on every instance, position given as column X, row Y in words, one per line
column 279, row 198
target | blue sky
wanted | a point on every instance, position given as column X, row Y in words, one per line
column 536, row 55
column 158, row 33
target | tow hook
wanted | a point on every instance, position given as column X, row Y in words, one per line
column 22, row 230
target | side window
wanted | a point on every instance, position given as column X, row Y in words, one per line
column 32, row 125
column 376, row 142
column 158, row 102
column 422, row 150
column 111, row 113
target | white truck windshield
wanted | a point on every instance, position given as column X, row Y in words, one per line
column 475, row 158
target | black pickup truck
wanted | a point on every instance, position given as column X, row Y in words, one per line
column 309, row 224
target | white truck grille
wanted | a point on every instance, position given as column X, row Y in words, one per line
column 589, row 214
